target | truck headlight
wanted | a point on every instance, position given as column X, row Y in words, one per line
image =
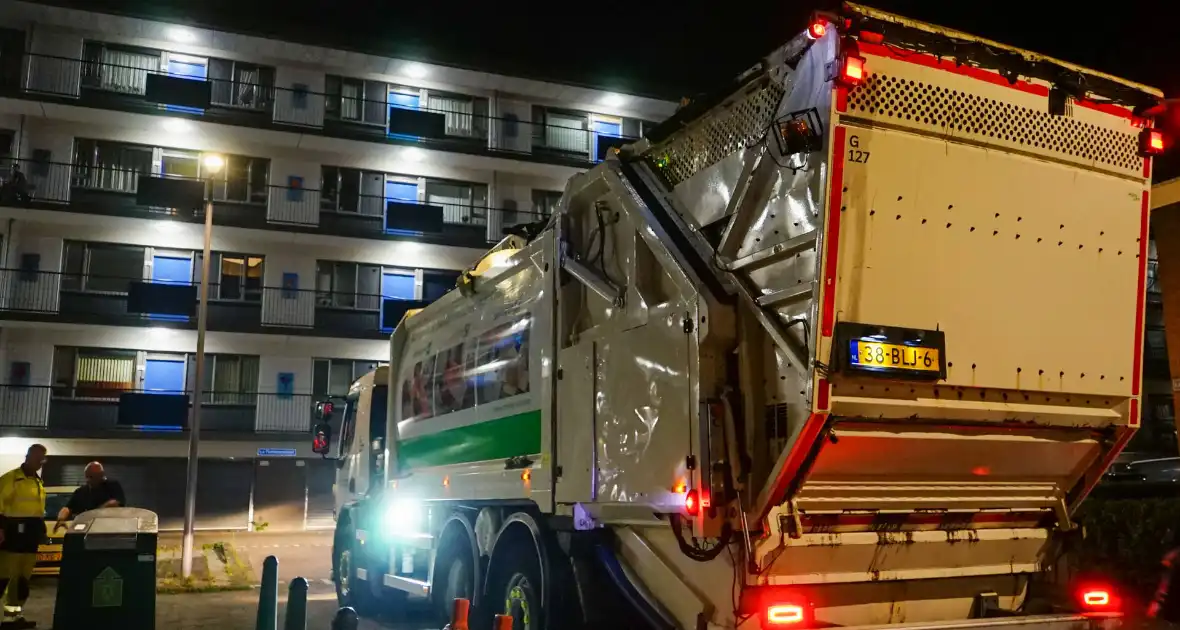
column 405, row 516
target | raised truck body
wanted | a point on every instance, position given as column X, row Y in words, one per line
column 845, row 344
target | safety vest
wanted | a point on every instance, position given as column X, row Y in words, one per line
column 21, row 495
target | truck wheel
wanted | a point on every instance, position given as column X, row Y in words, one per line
column 350, row 591
column 456, row 580
column 514, row 587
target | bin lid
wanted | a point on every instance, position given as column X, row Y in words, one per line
column 117, row 520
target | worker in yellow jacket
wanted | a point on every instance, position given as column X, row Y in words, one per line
column 22, row 528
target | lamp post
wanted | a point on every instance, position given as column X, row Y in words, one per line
column 212, row 165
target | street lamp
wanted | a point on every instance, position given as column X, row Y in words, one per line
column 212, row 165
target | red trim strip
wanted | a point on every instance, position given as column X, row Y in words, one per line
column 1133, row 416
column 841, row 98
column 1140, row 296
column 822, row 402
column 1107, row 108
column 799, row 451
column 1094, row 475
column 835, row 199
column 1146, row 168
column 930, row 61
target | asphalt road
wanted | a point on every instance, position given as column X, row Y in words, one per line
column 306, row 554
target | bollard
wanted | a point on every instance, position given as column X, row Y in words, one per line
column 296, row 617
column 345, row 619
column 503, row 622
column 459, row 611
column 268, row 596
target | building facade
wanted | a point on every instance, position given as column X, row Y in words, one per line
column 345, row 188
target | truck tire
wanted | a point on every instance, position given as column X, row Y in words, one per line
column 514, row 585
column 345, row 561
column 456, row 574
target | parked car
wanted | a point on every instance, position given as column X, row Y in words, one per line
column 49, row 553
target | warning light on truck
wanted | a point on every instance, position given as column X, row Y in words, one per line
column 1151, row 142
column 784, row 614
column 1097, row 599
column 817, row 29
column 692, row 503
column 852, row 70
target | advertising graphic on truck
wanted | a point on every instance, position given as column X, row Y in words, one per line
column 845, row 343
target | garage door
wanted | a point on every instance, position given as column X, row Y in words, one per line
column 223, row 494
column 280, row 493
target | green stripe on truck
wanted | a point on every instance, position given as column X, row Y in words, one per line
column 510, row 436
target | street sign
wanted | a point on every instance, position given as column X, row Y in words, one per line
column 276, row 452
column 107, row 590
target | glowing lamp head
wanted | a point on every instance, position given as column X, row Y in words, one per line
column 405, row 516
column 852, row 70
column 817, row 29
column 692, row 503
column 1152, row 142
column 778, row 615
column 1098, row 599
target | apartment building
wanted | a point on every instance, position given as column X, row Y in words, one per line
column 1161, row 372
column 344, row 189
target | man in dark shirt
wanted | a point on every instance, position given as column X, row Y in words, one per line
column 99, row 492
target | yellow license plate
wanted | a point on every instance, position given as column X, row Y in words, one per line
column 53, row 556
column 888, row 356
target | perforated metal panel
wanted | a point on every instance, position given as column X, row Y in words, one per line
column 939, row 107
column 733, row 126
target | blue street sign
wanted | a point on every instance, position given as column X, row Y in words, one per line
column 276, row 452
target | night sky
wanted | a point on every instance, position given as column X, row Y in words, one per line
column 661, row 48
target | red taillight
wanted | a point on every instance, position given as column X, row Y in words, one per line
column 692, row 503
column 1151, row 142
column 1098, row 599
column 817, row 29
column 785, row 614
column 852, row 70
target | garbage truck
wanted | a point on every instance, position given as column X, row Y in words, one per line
column 844, row 343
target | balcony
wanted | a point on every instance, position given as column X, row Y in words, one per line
column 107, row 86
column 83, row 410
column 120, row 301
column 113, row 191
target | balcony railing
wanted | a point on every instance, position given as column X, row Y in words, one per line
column 95, row 407
column 123, row 87
column 113, row 300
column 112, row 190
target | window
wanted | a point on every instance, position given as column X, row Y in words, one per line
column 242, row 179
column 462, row 203
column 240, row 84
column 436, row 283
column 356, row 100
column 332, row 377
column 465, row 116
column 117, row 68
column 348, row 285
column 101, row 267
column 230, row 379
column 234, row 276
column 562, row 131
column 110, row 165
column 92, row 372
column 545, row 202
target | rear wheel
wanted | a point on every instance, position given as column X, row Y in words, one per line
column 514, row 587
